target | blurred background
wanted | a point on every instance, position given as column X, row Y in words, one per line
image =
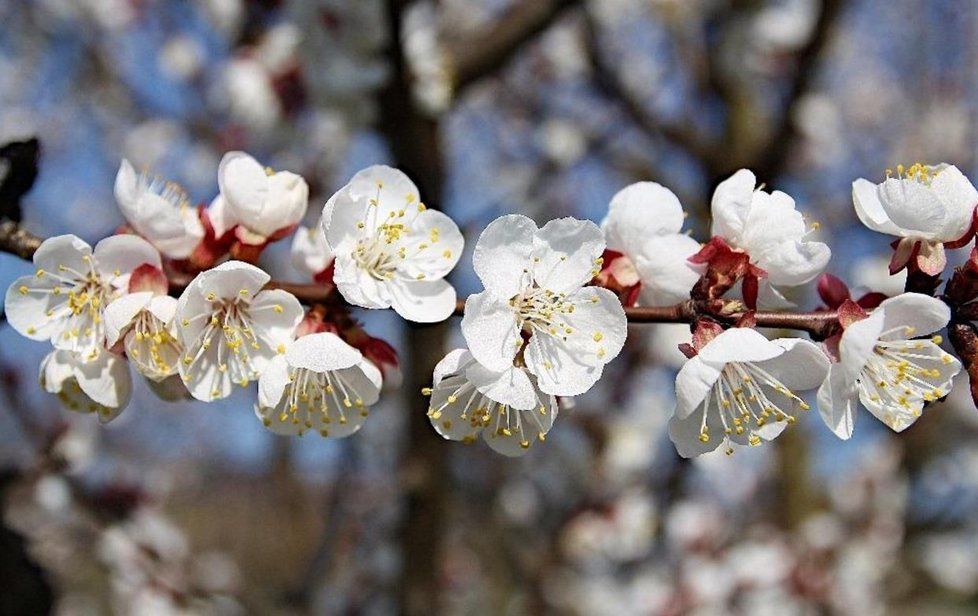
column 541, row 107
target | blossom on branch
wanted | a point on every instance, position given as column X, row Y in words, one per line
column 159, row 211
column 883, row 366
column 767, row 227
column 64, row 300
column 928, row 207
column 740, row 387
column 506, row 406
column 257, row 203
column 320, row 383
column 102, row 386
column 647, row 255
column 390, row 250
column 536, row 309
column 231, row 329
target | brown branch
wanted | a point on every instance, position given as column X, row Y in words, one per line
column 476, row 56
column 816, row 323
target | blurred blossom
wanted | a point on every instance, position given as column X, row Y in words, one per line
column 249, row 96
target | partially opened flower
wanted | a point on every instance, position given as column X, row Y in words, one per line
column 143, row 321
column 320, row 383
column 741, row 388
column 927, row 206
column 882, row 365
column 258, row 204
column 102, row 386
column 768, row 228
column 158, row 211
column 536, row 306
column 390, row 250
column 231, row 329
column 650, row 253
column 311, row 254
column 505, row 406
column 65, row 298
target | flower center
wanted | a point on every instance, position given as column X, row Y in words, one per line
column 481, row 412
column 743, row 398
column 153, row 347
column 171, row 192
column 542, row 310
column 317, row 397
column 918, row 172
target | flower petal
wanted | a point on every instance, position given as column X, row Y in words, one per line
column 233, row 279
column 802, row 366
column 341, row 218
column 310, row 252
column 452, row 363
column 322, row 352
column 422, row 301
column 869, row 209
column 502, row 254
column 490, row 329
column 437, row 249
column 685, row 435
column 358, row 287
column 693, row 384
column 639, row 212
column 559, row 370
column 107, row 381
column 922, row 313
column 793, row 262
column 664, row 270
column 739, row 344
column 119, row 314
column 511, row 387
column 567, row 250
column 392, row 189
column 731, row 205
column 857, row 344
column 118, row 255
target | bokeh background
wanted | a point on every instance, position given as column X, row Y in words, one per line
column 541, row 107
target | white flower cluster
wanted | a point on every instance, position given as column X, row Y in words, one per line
column 551, row 316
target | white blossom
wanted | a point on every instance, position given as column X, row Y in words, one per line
column 767, row 227
column 740, row 388
column 320, row 383
column 231, row 329
column 158, row 211
column 885, row 368
column 102, row 386
column 643, row 223
column 64, row 299
column 144, row 322
column 390, row 250
column 925, row 206
column 311, row 254
column 505, row 406
column 257, row 202
column 534, row 281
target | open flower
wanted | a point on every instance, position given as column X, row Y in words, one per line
column 63, row 301
column 643, row 226
column 158, row 211
column 884, row 367
column 260, row 205
column 740, row 388
column 102, row 386
column 143, row 320
column 390, row 250
column 231, row 329
column 505, row 406
column 771, row 231
column 320, row 383
column 311, row 254
column 536, row 306
column 927, row 207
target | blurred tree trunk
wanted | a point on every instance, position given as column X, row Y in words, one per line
column 415, row 146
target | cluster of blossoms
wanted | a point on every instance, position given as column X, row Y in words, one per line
column 551, row 316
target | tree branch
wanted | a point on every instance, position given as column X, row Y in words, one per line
column 476, row 56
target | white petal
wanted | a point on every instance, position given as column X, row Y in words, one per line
column 567, row 249
column 443, row 246
column 221, row 216
column 392, row 189
column 422, row 301
column 449, row 402
column 62, row 250
column 503, row 253
column 685, row 435
column 107, row 382
column 509, row 446
column 490, row 329
column 511, row 387
column 664, row 271
column 793, row 262
column 923, row 313
column 912, row 207
column 452, row 363
column 739, row 344
column 27, row 313
column 358, row 287
column 639, row 212
column 869, row 209
column 559, row 370
column 163, row 307
column 693, row 383
column 340, row 219
column 244, row 186
column 772, row 219
column 229, row 279
column 273, row 327
column 802, row 366
column 272, row 382
column 310, row 252
column 126, row 186
column 959, row 198
column 598, row 325
column 119, row 314
column 322, row 352
column 123, row 254
column 857, row 344
column 731, row 205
